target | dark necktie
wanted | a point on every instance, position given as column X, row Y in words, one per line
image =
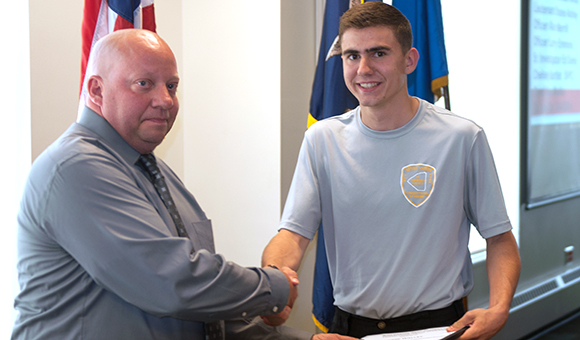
column 150, row 165
column 213, row 330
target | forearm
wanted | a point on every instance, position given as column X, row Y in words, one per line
column 503, row 270
column 286, row 249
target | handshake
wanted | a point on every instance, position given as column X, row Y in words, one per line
column 280, row 318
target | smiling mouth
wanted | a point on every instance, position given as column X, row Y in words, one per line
column 368, row 85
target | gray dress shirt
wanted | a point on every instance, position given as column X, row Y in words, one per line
column 99, row 256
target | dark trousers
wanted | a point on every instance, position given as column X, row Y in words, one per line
column 357, row 326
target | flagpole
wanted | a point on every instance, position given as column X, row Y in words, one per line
column 446, row 96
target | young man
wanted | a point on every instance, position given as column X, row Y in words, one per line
column 396, row 184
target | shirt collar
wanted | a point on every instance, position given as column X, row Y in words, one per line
column 92, row 121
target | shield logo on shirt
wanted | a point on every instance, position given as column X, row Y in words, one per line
column 417, row 183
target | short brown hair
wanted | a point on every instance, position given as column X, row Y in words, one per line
column 377, row 13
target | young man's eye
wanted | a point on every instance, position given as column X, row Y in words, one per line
column 352, row 57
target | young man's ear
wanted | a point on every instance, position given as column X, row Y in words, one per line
column 412, row 58
column 95, row 90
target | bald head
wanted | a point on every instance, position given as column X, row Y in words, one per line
column 132, row 82
column 120, row 45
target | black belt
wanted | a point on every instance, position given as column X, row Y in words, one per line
column 359, row 326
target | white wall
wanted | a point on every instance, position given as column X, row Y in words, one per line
column 55, row 52
column 231, row 100
column 15, row 99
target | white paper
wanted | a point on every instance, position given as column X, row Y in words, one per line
column 424, row 334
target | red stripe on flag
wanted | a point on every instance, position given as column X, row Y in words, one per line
column 90, row 17
column 122, row 23
column 148, row 14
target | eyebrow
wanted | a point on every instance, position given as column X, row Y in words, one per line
column 369, row 50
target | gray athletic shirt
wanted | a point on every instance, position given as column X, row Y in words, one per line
column 396, row 208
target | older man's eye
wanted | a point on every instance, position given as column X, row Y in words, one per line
column 142, row 83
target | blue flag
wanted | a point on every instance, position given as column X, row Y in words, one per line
column 431, row 74
column 331, row 97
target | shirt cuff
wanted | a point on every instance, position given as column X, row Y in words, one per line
column 279, row 288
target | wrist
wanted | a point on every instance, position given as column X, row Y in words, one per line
column 500, row 310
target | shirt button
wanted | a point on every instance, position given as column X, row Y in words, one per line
column 244, row 314
column 275, row 309
column 381, row 325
